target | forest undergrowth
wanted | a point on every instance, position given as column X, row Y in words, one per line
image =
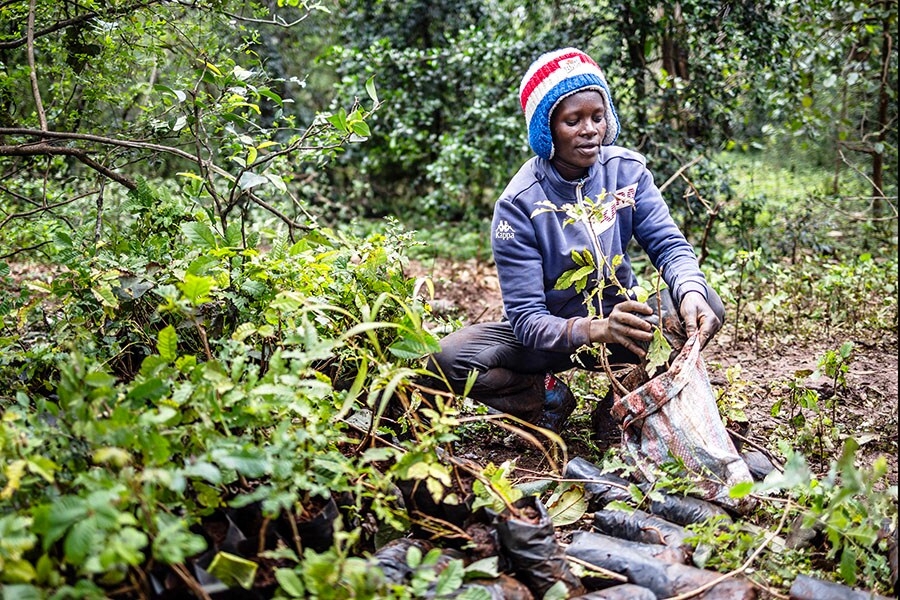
column 212, row 377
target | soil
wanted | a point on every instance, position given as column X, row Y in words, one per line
column 469, row 291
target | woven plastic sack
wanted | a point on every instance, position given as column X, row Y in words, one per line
column 675, row 415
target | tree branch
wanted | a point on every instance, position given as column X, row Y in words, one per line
column 32, row 70
column 43, row 208
column 20, row 250
column 276, row 20
column 44, row 149
column 290, row 223
column 65, row 135
column 677, row 173
column 852, row 166
column 124, row 10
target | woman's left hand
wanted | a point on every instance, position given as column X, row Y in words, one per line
column 699, row 316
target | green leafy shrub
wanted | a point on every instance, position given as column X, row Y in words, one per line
column 852, row 508
column 241, row 367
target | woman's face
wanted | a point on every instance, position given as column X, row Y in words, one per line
column 578, row 126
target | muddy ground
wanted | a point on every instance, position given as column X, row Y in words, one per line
column 470, row 291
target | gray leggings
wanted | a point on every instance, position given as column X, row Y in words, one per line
column 511, row 376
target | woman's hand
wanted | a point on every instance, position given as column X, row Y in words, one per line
column 624, row 327
column 699, row 316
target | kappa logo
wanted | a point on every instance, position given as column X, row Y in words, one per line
column 504, row 231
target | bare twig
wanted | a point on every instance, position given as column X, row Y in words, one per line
column 704, row 250
column 122, row 10
column 375, row 436
column 740, row 570
column 605, row 572
column 442, row 528
column 766, row 588
column 295, row 532
column 19, row 196
column 83, row 156
column 526, row 435
column 866, row 177
column 290, row 222
column 44, row 149
column 262, row 535
column 749, row 442
column 681, row 170
column 47, row 149
column 190, row 581
column 200, row 143
column 32, row 70
column 17, row 150
column 28, row 213
column 276, row 20
column 20, row 250
column 481, row 314
column 864, row 217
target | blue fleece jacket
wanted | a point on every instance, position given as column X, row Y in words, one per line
column 533, row 249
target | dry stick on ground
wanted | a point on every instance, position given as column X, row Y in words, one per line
column 767, row 589
column 426, row 522
column 757, row 447
column 498, row 419
column 481, row 314
column 605, row 572
column 737, row 571
column 539, row 476
column 190, row 581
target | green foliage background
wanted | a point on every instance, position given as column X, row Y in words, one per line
column 202, row 276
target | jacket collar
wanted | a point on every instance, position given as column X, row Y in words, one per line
column 559, row 189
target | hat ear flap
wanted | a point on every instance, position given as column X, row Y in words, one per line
column 612, row 119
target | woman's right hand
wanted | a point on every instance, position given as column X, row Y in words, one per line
column 624, row 327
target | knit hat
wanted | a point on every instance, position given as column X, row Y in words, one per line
column 552, row 78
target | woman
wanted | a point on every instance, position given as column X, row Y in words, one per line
column 572, row 125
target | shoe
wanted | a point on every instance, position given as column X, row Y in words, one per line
column 559, row 402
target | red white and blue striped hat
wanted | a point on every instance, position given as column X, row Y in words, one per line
column 549, row 80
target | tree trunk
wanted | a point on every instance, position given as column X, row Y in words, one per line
column 635, row 33
column 836, row 184
column 878, row 155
